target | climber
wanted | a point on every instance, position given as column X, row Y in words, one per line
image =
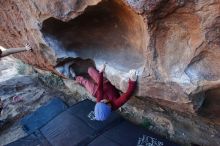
column 5, row 52
column 107, row 96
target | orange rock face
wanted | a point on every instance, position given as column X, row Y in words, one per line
column 174, row 45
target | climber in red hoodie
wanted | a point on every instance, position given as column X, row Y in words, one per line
column 107, row 96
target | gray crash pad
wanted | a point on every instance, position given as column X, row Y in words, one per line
column 43, row 115
column 34, row 139
column 103, row 141
column 66, row 130
column 76, row 126
column 128, row 134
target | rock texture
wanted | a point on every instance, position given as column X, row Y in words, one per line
column 34, row 90
column 175, row 45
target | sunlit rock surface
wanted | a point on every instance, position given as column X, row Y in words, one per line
column 174, row 45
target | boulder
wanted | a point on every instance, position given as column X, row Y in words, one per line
column 174, row 45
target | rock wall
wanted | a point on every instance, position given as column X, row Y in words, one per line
column 174, row 45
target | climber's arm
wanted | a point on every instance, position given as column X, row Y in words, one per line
column 99, row 92
column 126, row 96
column 14, row 50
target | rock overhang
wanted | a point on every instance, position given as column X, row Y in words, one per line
column 174, row 37
column 107, row 32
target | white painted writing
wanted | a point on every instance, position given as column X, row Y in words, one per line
column 91, row 116
column 149, row 141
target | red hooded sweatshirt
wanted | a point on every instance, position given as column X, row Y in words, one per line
column 115, row 99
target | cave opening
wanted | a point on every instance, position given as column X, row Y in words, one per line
column 107, row 32
column 211, row 106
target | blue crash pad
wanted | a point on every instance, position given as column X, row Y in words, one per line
column 128, row 134
column 58, row 126
column 34, row 139
column 43, row 115
column 66, row 130
column 102, row 140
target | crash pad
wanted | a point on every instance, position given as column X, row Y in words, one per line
column 103, row 141
column 34, row 139
column 43, row 115
column 76, row 126
column 129, row 134
column 66, row 130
